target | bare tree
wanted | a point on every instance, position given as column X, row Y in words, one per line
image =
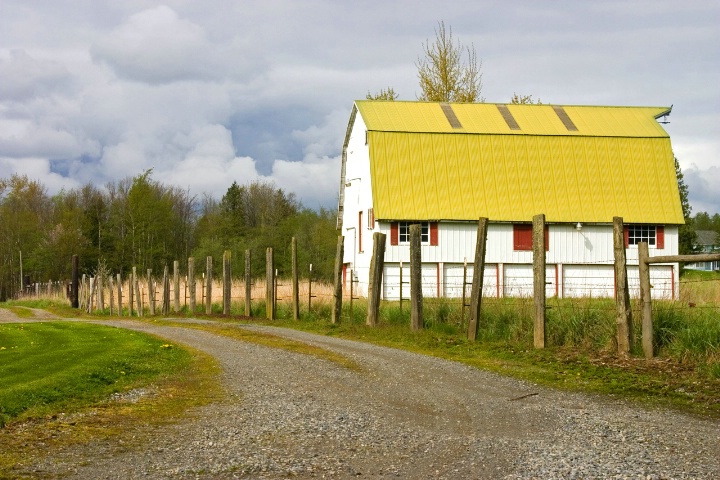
column 443, row 75
column 388, row 95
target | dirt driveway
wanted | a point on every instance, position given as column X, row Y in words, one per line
column 403, row 415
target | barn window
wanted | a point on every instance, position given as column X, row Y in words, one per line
column 654, row 235
column 404, row 232
column 400, row 233
column 522, row 236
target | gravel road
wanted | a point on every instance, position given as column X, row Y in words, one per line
column 404, row 415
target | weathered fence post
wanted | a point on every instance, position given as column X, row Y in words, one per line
column 477, row 281
column 91, row 297
column 645, row 297
column 131, row 295
column 270, row 284
column 136, row 287
column 227, row 282
column 100, row 292
column 166, row 290
column 622, row 291
column 176, row 286
column 338, row 291
column 309, row 291
column 295, row 286
column 192, row 289
column 377, row 264
column 111, row 291
column 208, row 285
column 75, row 299
column 151, row 291
column 119, row 294
column 538, row 237
column 248, row 283
column 416, row 297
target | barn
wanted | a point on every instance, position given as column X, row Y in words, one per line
column 444, row 165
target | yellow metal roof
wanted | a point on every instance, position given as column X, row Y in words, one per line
column 485, row 118
column 618, row 162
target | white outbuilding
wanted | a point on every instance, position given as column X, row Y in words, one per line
column 444, row 165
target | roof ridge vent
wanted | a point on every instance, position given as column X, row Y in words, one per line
column 508, row 117
column 450, row 115
column 565, row 118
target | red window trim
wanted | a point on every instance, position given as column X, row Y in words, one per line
column 433, row 234
column 659, row 236
column 522, row 237
column 394, row 233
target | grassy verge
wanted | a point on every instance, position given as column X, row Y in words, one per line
column 58, row 379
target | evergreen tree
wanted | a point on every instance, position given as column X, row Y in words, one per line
column 686, row 232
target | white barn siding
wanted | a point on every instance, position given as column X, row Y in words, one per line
column 579, row 262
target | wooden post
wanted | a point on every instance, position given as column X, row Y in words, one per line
column 100, row 292
column 227, row 283
column 645, row 297
column 464, row 295
column 477, row 281
column 176, row 286
column 622, row 292
column 310, row 295
column 538, row 237
column 208, row 285
column 295, row 286
column 248, row 283
column 136, row 288
column 111, row 291
column 338, row 291
column 131, row 294
column 270, row 284
column 75, row 298
column 166, row 291
column 119, row 294
column 377, row 264
column 416, row 298
column 352, row 291
column 91, row 300
column 401, row 285
column 151, row 291
column 192, row 285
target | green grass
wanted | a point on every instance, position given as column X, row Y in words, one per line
column 49, row 367
column 56, row 379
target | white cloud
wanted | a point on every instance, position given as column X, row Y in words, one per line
column 702, row 188
column 325, row 139
column 210, row 92
column 25, row 77
column 155, row 45
column 315, row 184
column 38, row 169
column 22, row 138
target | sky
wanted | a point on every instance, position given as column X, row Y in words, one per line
column 209, row 92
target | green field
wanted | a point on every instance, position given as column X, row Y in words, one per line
column 57, row 366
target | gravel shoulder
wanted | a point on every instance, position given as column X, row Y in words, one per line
column 404, row 415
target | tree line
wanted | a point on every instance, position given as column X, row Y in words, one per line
column 139, row 221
